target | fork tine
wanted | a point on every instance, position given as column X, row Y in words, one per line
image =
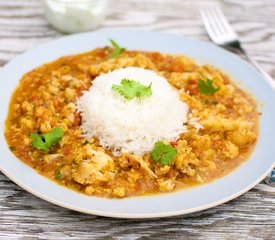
column 224, row 22
column 217, row 20
column 208, row 23
column 210, row 18
column 217, row 26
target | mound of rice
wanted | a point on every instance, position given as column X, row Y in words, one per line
column 133, row 125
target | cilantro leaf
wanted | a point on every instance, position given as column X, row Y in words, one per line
column 58, row 174
column 117, row 49
column 164, row 154
column 12, row 148
column 206, row 87
column 130, row 89
column 45, row 141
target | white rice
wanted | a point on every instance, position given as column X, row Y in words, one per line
column 132, row 125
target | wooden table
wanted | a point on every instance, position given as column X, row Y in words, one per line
column 251, row 216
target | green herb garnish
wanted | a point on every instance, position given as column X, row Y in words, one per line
column 58, row 174
column 206, row 87
column 117, row 50
column 130, row 89
column 45, row 141
column 12, row 148
column 164, row 154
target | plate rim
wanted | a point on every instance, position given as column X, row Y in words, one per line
column 137, row 216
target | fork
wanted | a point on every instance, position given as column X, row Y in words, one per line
column 221, row 33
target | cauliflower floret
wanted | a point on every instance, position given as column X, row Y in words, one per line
column 163, row 170
column 89, row 190
column 26, row 123
column 222, row 124
column 241, row 137
column 98, row 167
column 166, row 185
column 28, row 107
column 185, row 158
column 119, row 192
column 133, row 176
column 70, row 93
column 230, row 150
column 202, row 143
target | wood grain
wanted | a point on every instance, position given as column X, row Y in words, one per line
column 251, row 216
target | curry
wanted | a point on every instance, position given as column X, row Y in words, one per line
column 221, row 131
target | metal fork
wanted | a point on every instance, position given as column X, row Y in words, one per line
column 221, row 33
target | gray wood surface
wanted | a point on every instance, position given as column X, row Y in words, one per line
column 251, row 216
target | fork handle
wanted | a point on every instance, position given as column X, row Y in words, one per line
column 270, row 179
column 258, row 67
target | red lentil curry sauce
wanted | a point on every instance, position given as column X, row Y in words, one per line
column 46, row 99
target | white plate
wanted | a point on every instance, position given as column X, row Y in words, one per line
column 241, row 180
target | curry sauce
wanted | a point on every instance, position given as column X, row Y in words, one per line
column 46, row 98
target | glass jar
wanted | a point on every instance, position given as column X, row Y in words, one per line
column 72, row 16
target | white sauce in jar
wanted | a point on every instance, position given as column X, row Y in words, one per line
column 72, row 16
